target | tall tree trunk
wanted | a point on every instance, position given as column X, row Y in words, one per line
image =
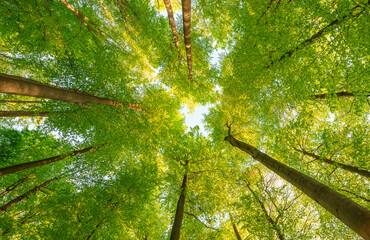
column 176, row 228
column 237, row 235
column 273, row 223
column 171, row 19
column 340, row 165
column 350, row 213
column 27, row 87
column 19, row 167
column 356, row 11
column 25, row 195
column 339, row 95
column 23, row 114
column 186, row 16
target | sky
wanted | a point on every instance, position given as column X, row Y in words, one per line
column 196, row 118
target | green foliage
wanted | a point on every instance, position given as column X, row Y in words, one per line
column 279, row 69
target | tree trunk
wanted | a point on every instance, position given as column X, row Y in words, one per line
column 339, row 95
column 186, row 16
column 273, row 223
column 19, row 167
column 237, row 235
column 355, row 13
column 171, row 19
column 23, row 114
column 27, row 87
column 176, row 228
column 16, row 101
column 23, row 196
column 350, row 168
column 350, row 213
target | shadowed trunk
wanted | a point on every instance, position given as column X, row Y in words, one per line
column 19, row 167
column 25, row 195
column 27, row 87
column 176, row 228
column 340, row 165
column 23, row 114
column 350, row 213
column 186, row 16
column 273, row 223
column 354, row 13
column 171, row 19
column 339, row 95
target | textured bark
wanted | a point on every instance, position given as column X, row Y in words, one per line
column 25, row 195
column 19, row 167
column 171, row 20
column 339, row 95
column 23, row 114
column 350, row 213
column 273, row 223
column 186, row 16
column 176, row 228
column 319, row 34
column 340, row 165
column 27, row 87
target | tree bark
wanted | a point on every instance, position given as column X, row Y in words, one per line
column 176, row 228
column 186, row 16
column 273, row 223
column 27, row 87
column 350, row 168
column 319, row 34
column 25, row 195
column 171, row 20
column 350, row 213
column 23, row 114
column 339, row 95
column 19, row 167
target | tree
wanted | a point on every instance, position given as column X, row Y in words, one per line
column 287, row 74
column 352, row 214
column 27, row 87
column 23, row 166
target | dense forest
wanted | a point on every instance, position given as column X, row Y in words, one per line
column 93, row 141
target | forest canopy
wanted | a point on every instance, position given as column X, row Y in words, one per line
column 93, row 141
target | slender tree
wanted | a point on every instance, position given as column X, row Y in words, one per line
column 176, row 227
column 350, row 213
column 236, row 231
column 25, row 195
column 19, row 167
column 273, row 223
column 350, row 168
column 27, row 87
column 356, row 11
column 186, row 16
column 171, row 20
